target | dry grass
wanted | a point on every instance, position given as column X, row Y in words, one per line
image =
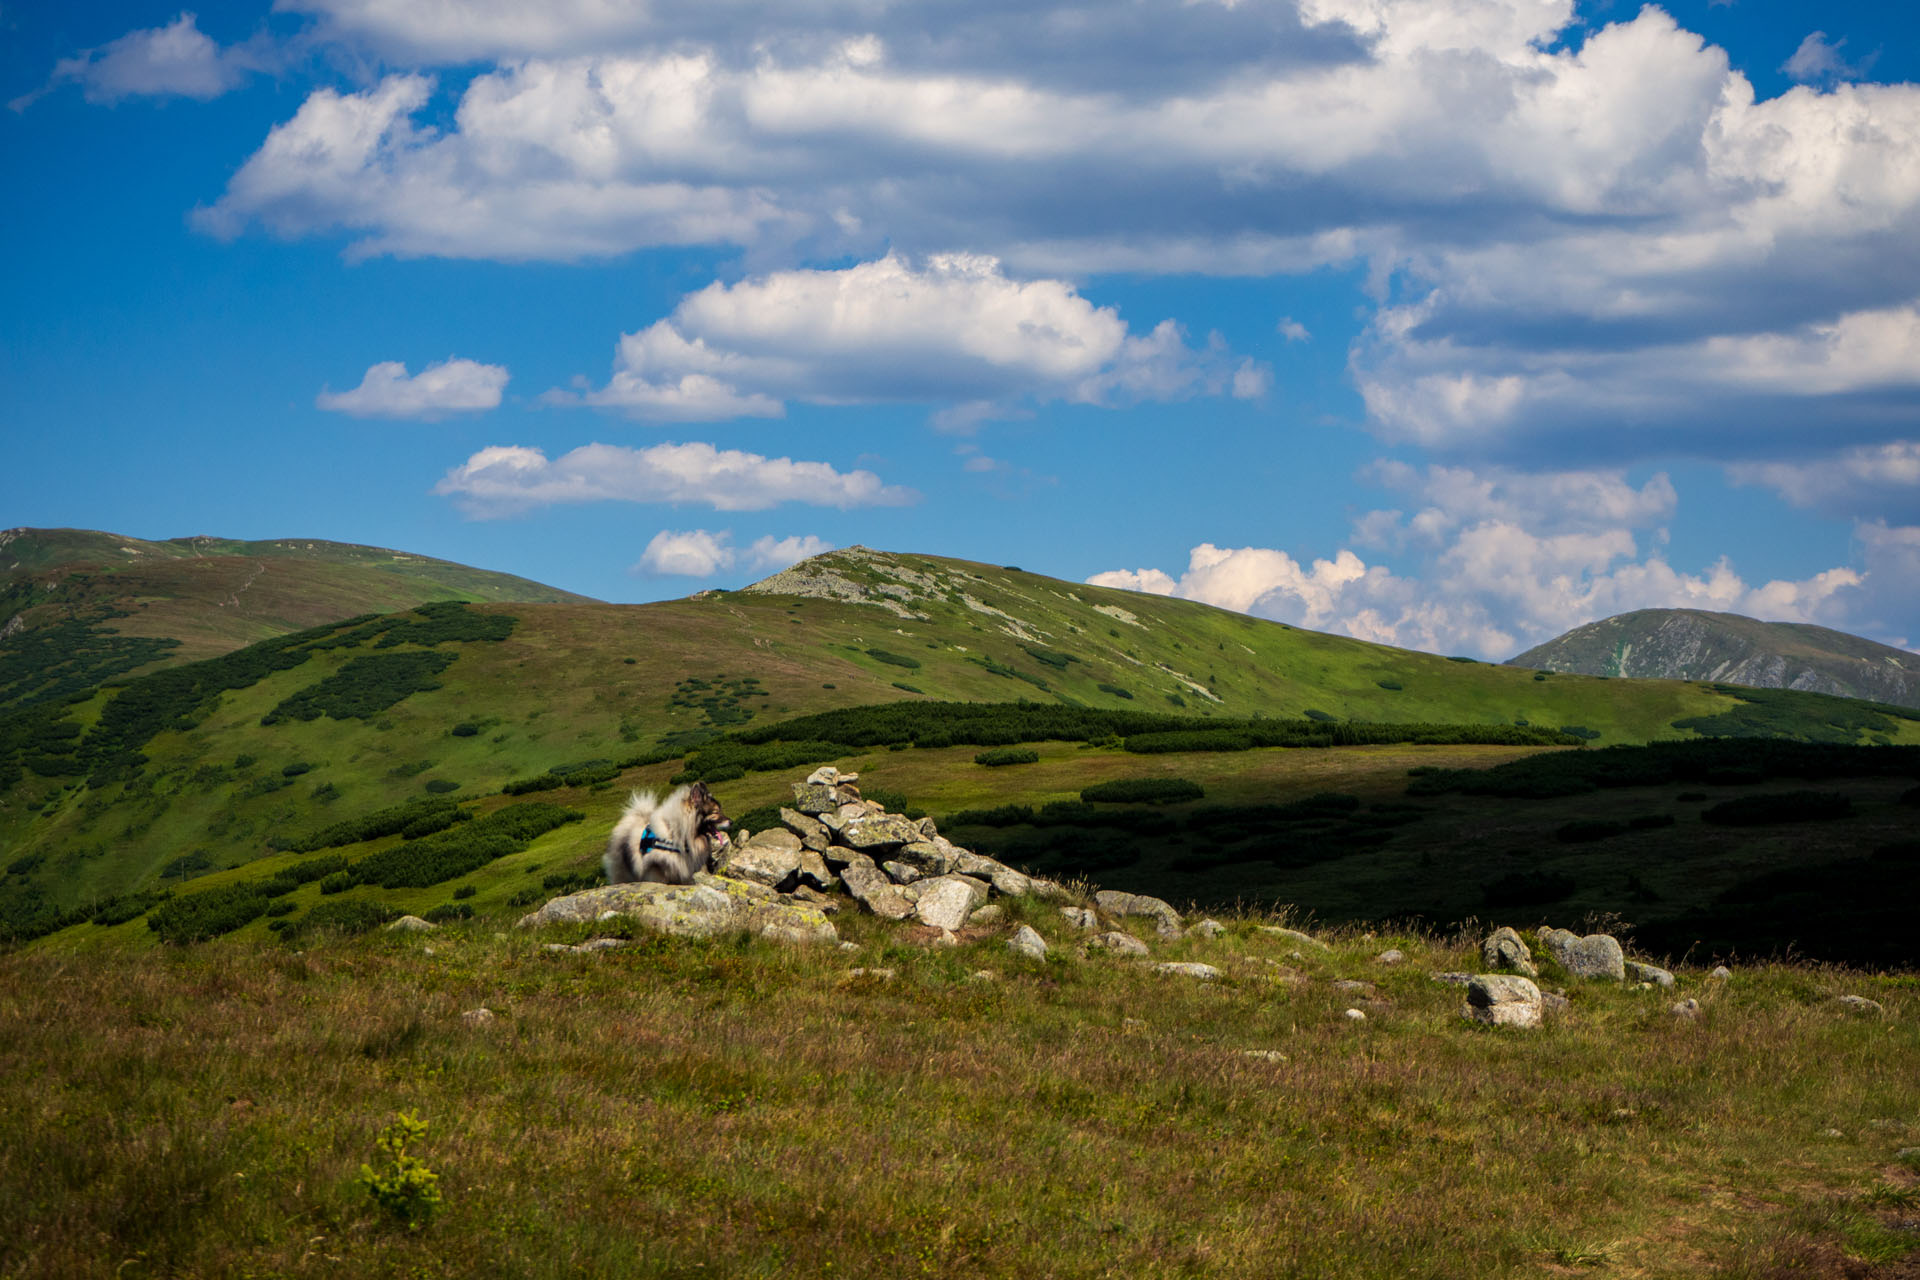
column 740, row 1108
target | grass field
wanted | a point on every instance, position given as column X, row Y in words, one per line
column 740, row 1108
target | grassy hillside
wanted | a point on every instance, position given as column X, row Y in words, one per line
column 212, row 773
column 735, row 1107
column 78, row 607
column 1693, row 644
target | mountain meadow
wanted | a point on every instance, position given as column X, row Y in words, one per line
column 220, row 1060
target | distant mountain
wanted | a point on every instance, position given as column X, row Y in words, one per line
column 79, row 606
column 1691, row 644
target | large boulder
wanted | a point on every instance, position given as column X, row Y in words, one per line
column 812, row 832
column 930, row 857
column 868, row 885
column 710, row 905
column 1166, row 921
column 1505, row 951
column 875, row 833
column 771, row 858
column 1598, row 955
column 945, row 902
column 1026, row 941
column 1003, row 878
column 1502, row 1000
column 815, row 798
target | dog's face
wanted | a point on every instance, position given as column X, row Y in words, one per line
column 709, row 823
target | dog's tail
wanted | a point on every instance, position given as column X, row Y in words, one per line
column 622, row 860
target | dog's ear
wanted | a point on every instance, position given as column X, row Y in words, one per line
column 698, row 797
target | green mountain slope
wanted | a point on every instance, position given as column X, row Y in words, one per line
column 1691, row 644
column 223, row 771
column 78, row 607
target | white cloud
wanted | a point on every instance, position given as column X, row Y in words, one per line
column 1292, row 330
column 697, row 553
column 768, row 552
column 506, row 479
column 1505, row 561
column 452, row 386
column 692, row 553
column 955, row 331
column 1588, row 242
column 1816, row 61
column 177, row 60
column 1884, row 477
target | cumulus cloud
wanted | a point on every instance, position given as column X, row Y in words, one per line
column 1818, row 61
column 691, row 553
column 452, row 386
column 1883, row 478
column 507, row 479
column 1504, row 561
column 697, row 553
column 956, row 331
column 177, row 60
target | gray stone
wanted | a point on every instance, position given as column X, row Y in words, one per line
column 1653, row 973
column 1720, row 973
column 1051, row 890
column 1166, row 921
column 933, row 858
column 1688, row 1008
column 771, row 858
column 1188, row 969
column 1080, row 918
column 813, row 833
column 1119, row 943
column 410, row 924
column 1002, row 877
column 1026, row 942
column 945, row 902
column 1860, row 1004
column 874, row 833
column 902, row 872
column 990, row 914
column 1392, row 955
column 1502, row 1000
column 600, row 944
column 1209, row 928
column 815, row 798
column 869, row 886
column 1353, row 986
column 1452, row 979
column 877, row 974
column 1506, row 951
column 1598, row 955
column 710, row 905
column 1355, row 1015
column 1554, row 1002
column 477, row 1017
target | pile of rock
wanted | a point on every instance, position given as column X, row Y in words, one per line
column 1507, row 996
column 786, row 881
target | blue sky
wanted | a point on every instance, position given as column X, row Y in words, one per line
column 1445, row 323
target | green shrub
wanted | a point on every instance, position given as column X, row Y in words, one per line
column 465, row 891
column 1392, row 686
column 448, row 855
column 893, row 659
column 381, row 822
column 1321, row 716
column 1002, row 756
column 364, row 687
column 465, row 729
column 200, row 916
column 447, row 911
column 280, row 907
column 343, row 916
column 1118, row 691
column 337, row 882
column 1143, row 790
column 295, row 769
column 1781, row 806
column 441, row 786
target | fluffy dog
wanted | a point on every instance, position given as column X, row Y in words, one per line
column 666, row 841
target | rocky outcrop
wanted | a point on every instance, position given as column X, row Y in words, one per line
column 1506, row 952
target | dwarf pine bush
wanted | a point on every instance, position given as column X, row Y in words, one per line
column 404, row 1188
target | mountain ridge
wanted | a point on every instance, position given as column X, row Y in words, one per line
column 1729, row 648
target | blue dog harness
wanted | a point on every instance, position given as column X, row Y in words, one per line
column 649, row 841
